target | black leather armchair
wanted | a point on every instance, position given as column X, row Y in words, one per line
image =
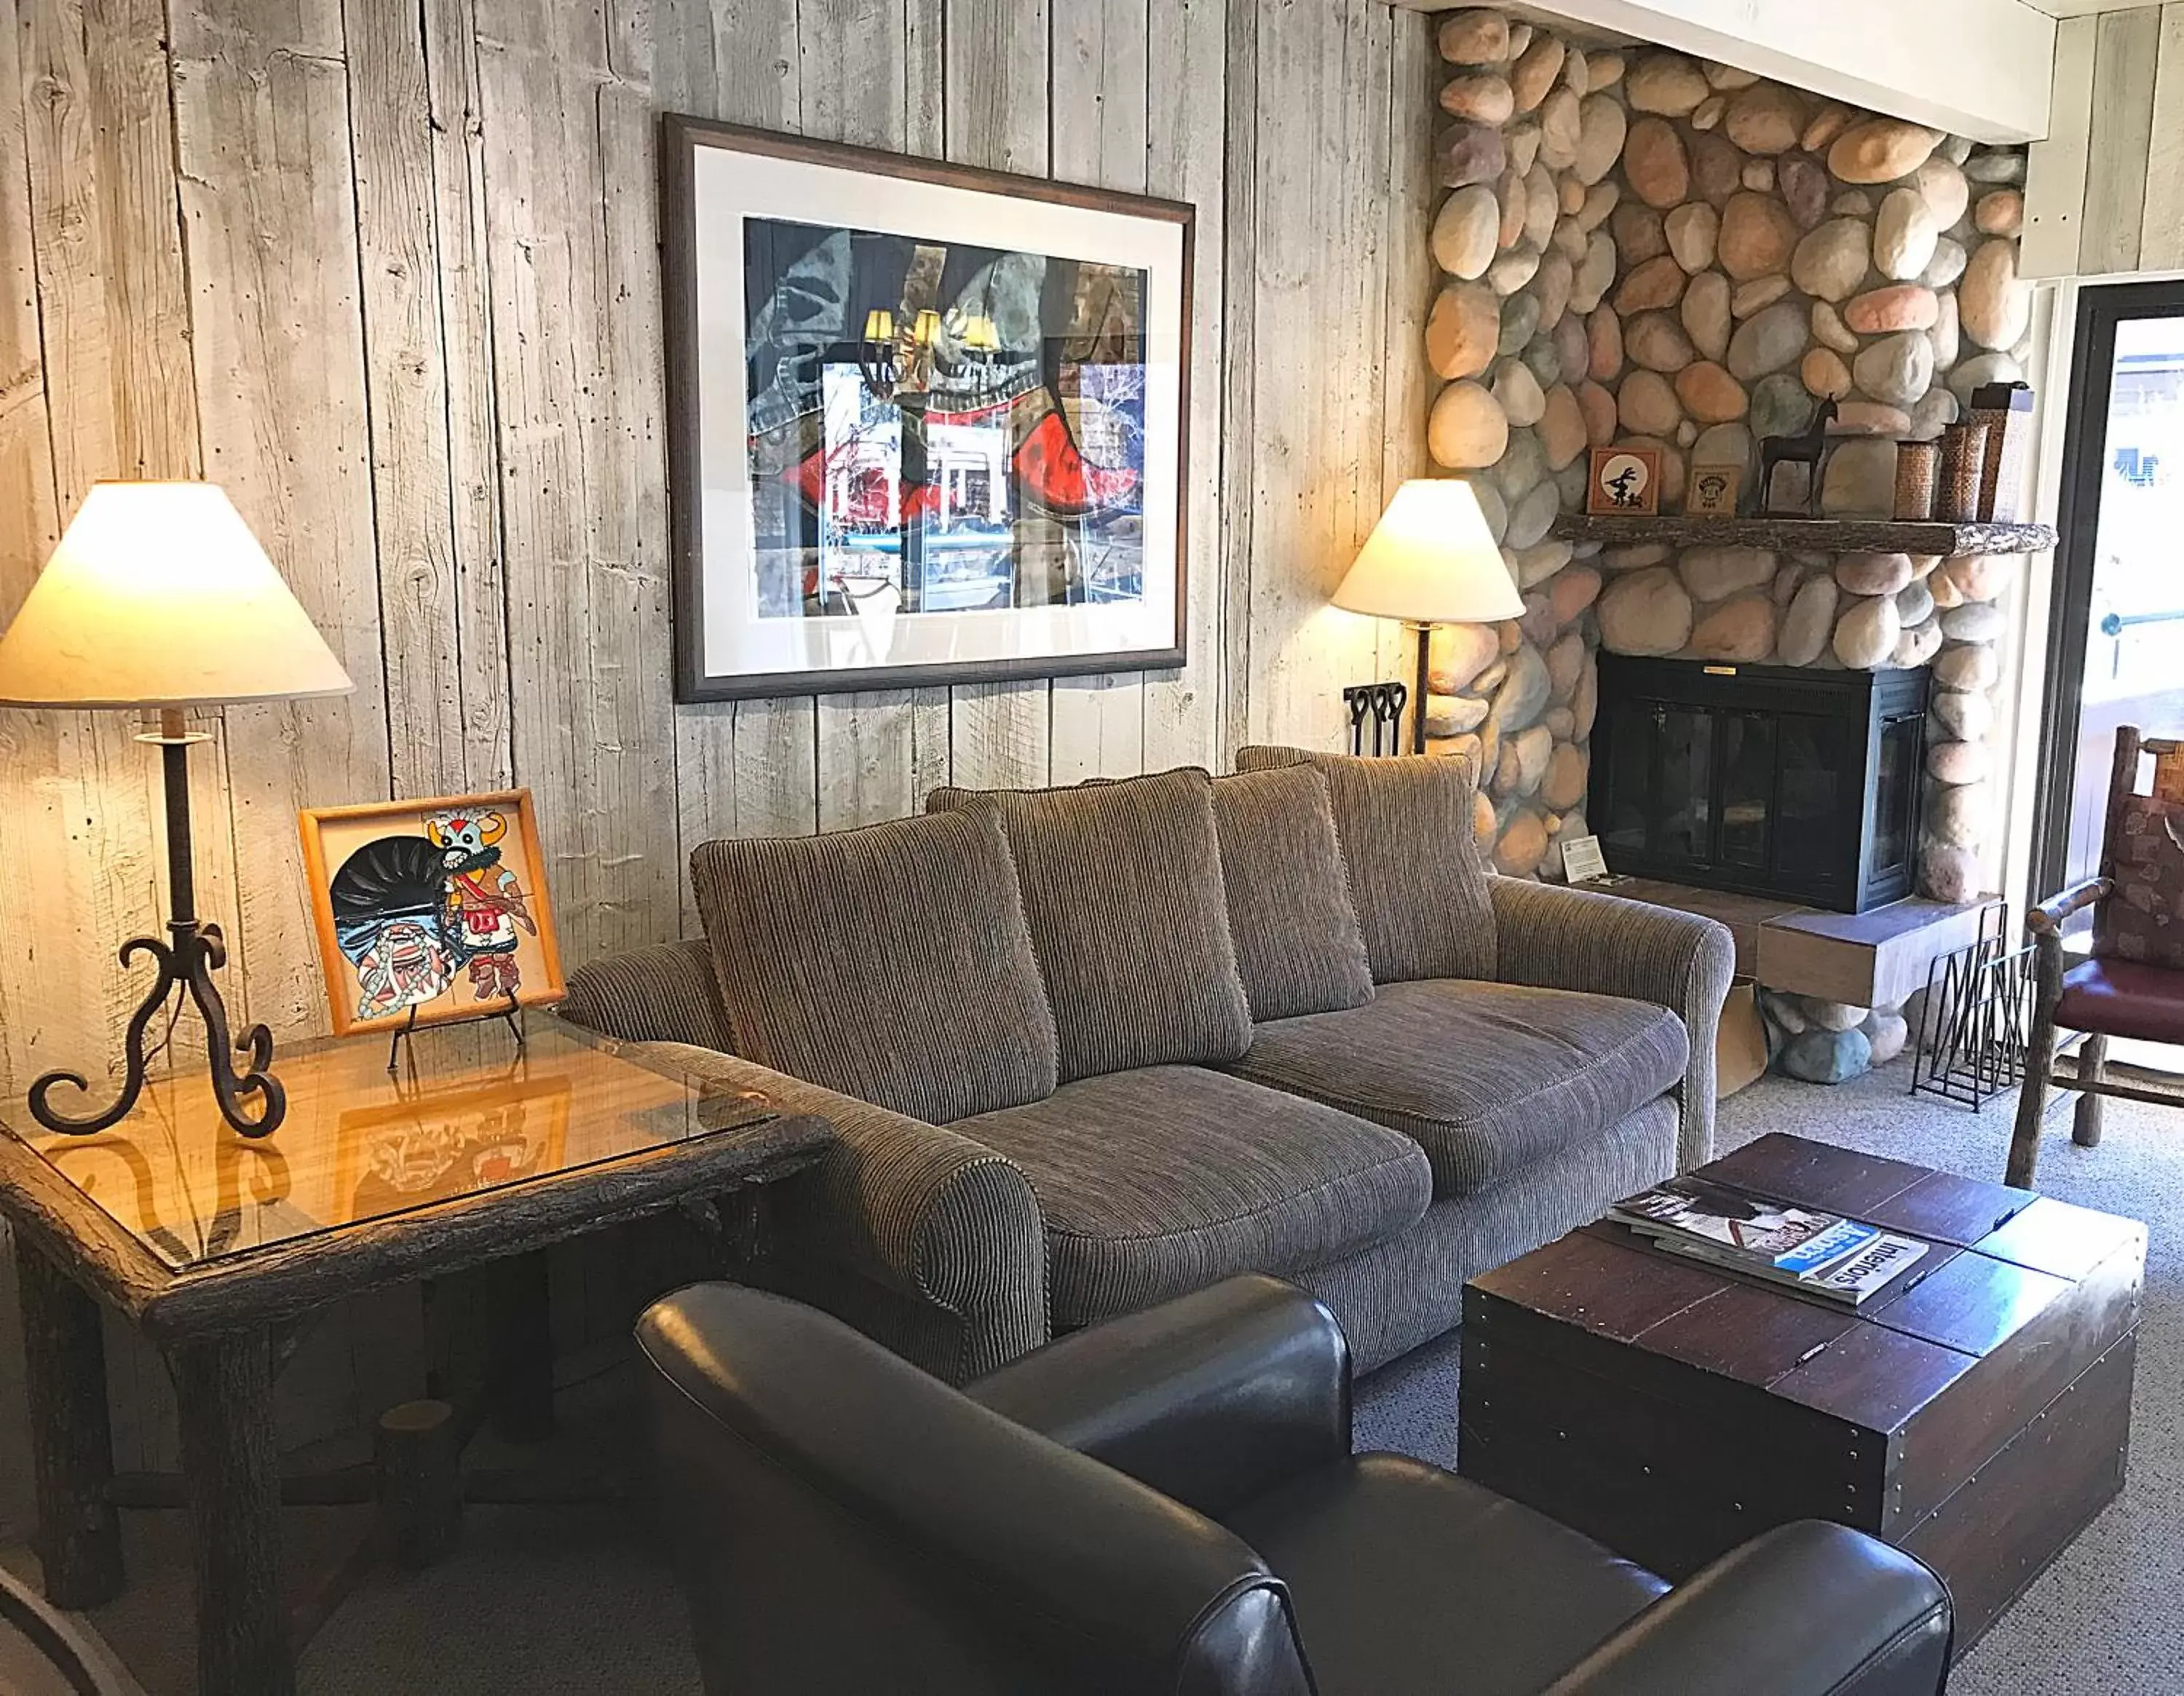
column 1168, row 1503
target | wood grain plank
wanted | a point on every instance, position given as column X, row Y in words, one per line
column 869, row 74
column 1407, row 390
column 420, row 576
column 996, row 114
column 420, row 236
column 268, row 197
column 116, row 347
column 1321, row 175
column 2124, row 53
column 1100, row 90
column 1186, row 128
column 2161, row 242
column 1239, row 302
column 34, row 823
column 112, row 331
column 740, row 761
column 2056, row 167
column 588, row 616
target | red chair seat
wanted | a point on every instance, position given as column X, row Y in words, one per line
column 2119, row 999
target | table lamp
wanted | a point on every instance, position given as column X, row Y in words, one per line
column 1430, row 560
column 159, row 599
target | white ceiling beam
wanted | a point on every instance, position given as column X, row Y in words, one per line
column 1977, row 68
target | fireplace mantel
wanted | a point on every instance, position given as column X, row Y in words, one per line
column 1808, row 534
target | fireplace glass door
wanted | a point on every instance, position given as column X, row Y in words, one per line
column 1766, row 780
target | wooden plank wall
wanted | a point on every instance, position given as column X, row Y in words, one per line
column 2104, row 192
column 388, row 270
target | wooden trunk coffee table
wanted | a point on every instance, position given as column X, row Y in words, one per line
column 1975, row 1413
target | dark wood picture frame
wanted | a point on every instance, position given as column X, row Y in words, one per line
column 681, row 136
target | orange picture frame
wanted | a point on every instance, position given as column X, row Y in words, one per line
column 429, row 911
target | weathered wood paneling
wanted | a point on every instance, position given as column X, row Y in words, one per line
column 2104, row 192
column 401, row 296
column 1185, row 125
column 113, row 344
column 2056, row 167
column 1313, row 455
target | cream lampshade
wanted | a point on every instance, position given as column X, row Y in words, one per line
column 1431, row 560
column 159, row 596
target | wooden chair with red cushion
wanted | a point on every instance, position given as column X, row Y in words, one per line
column 2133, row 985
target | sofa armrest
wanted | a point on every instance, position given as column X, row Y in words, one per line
column 662, row 993
column 1808, row 1610
column 918, row 1208
column 1211, row 1398
column 1554, row 937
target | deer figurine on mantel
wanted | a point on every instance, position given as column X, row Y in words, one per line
column 1810, row 450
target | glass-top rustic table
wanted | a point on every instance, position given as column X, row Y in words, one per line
column 466, row 1111
column 474, row 1149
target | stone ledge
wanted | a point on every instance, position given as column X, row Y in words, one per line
column 1810, row 535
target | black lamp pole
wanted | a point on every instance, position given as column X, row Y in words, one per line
column 1419, row 711
column 194, row 950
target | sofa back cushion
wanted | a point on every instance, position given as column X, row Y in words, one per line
column 1122, row 892
column 891, row 963
column 1299, row 948
column 1405, row 829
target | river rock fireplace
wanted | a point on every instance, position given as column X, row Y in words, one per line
column 1767, row 779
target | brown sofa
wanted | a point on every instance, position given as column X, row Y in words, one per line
column 1090, row 1049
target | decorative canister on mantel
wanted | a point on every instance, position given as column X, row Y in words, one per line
column 1963, row 472
column 1917, row 465
column 2006, row 411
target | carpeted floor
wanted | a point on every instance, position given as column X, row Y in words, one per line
column 543, row 1604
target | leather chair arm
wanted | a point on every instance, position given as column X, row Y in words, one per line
column 761, row 1408
column 2049, row 917
column 1807, row 1610
column 919, row 1207
column 1211, row 1398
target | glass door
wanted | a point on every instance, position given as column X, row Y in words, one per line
column 2116, row 644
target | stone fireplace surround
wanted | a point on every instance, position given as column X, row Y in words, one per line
column 1640, row 246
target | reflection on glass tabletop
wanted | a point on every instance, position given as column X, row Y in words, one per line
column 467, row 1111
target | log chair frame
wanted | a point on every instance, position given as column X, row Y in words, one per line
column 2086, row 1072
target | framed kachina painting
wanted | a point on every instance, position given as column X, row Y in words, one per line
column 428, row 911
column 926, row 422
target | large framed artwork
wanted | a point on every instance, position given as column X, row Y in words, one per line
column 926, row 423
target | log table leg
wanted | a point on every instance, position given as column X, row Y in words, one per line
column 79, row 1541
column 523, row 1346
column 223, row 1391
column 2092, row 1067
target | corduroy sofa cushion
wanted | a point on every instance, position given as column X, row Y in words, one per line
column 1405, row 825
column 1123, row 892
column 890, row 962
column 1164, row 1180
column 1298, row 947
column 1490, row 1078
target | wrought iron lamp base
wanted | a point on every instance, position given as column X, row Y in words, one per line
column 252, row 1100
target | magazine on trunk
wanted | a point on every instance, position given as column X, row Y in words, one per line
column 1824, row 1254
